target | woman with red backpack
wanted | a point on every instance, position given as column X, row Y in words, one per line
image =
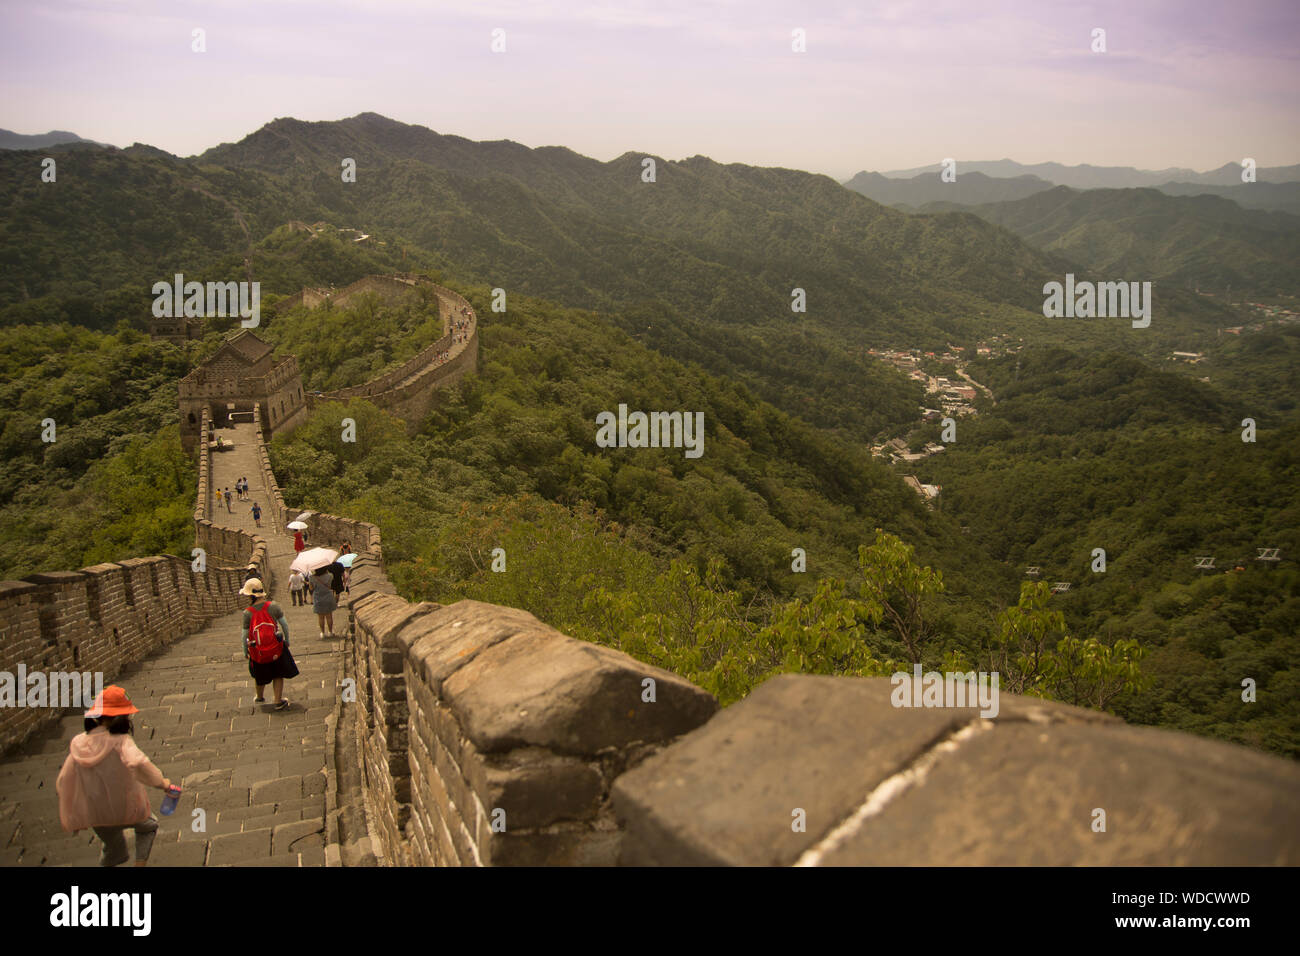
column 265, row 638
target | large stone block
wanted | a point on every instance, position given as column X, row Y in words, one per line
column 533, row 786
column 440, row 643
column 538, row 687
column 382, row 615
column 1019, row 794
column 886, row 786
column 555, row 847
column 726, row 794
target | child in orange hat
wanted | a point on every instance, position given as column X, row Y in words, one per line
column 102, row 783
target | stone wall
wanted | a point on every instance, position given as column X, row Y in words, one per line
column 412, row 400
column 387, row 288
column 102, row 618
column 233, row 545
column 872, row 784
column 490, row 739
column 407, row 390
column 325, row 530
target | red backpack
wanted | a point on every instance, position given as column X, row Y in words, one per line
column 264, row 644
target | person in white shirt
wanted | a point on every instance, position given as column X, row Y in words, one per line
column 298, row 588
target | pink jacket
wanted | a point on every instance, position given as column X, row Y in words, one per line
column 102, row 783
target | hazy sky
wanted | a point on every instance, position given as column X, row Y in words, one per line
column 882, row 86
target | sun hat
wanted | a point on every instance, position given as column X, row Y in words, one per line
column 112, row 702
column 253, row 586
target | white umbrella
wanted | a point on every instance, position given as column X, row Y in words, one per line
column 347, row 559
column 313, row 558
column 304, row 516
column 297, row 526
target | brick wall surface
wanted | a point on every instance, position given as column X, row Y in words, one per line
column 492, row 739
column 101, row 618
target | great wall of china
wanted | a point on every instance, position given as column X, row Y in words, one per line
column 473, row 734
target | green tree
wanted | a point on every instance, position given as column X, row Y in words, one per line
column 897, row 586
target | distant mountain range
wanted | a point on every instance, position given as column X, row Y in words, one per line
column 968, row 189
column 55, row 137
column 1086, row 176
column 1143, row 233
column 1276, row 188
column 703, row 264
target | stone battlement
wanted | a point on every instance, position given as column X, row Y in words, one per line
column 407, row 390
column 104, row 617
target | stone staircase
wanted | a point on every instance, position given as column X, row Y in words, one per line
column 259, row 776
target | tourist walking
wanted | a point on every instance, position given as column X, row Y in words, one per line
column 227, row 497
column 298, row 542
column 243, row 489
column 102, row 783
column 323, row 602
column 257, row 515
column 265, row 638
column 298, row 588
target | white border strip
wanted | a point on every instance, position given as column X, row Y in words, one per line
column 888, row 791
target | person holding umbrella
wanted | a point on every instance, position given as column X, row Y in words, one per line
column 316, row 562
column 323, row 599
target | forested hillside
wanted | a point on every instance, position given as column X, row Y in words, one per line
column 1130, row 234
column 1085, row 452
column 114, row 483
column 676, row 295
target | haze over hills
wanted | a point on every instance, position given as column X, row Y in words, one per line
column 1087, row 176
column 1003, row 182
column 12, row 140
column 1202, row 240
column 924, row 188
column 701, row 263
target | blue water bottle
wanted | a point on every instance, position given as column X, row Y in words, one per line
column 169, row 801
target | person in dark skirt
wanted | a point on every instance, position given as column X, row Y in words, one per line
column 274, row 672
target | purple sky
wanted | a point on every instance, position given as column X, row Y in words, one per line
column 1193, row 83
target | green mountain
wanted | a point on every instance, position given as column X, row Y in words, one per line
column 1102, row 451
column 702, row 264
column 55, row 137
column 1087, row 176
column 968, row 189
column 1143, row 234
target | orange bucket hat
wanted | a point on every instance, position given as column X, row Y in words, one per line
column 112, row 702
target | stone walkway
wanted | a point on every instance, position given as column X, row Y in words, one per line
column 258, row 774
